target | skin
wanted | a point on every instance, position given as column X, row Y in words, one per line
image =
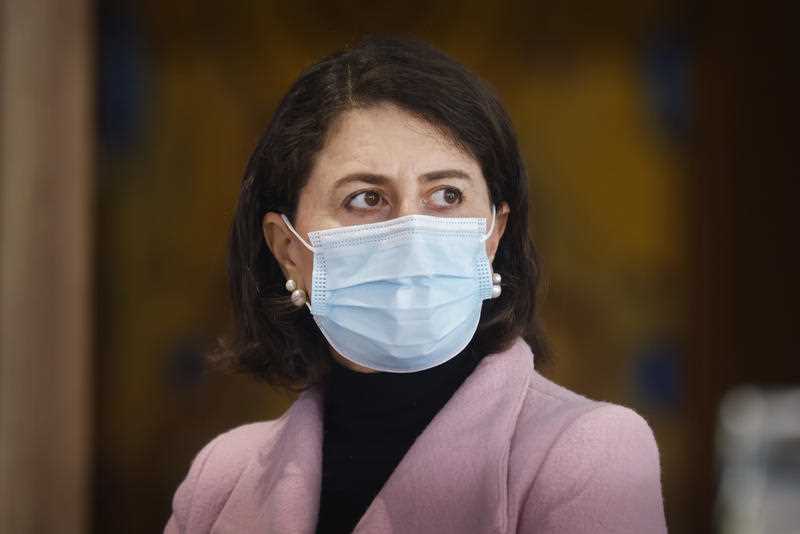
column 377, row 164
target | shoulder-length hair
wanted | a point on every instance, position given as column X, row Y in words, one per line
column 280, row 343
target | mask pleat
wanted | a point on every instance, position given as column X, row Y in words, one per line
column 366, row 350
column 392, row 327
column 405, row 292
column 402, row 309
column 401, row 295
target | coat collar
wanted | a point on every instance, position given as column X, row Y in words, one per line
column 452, row 479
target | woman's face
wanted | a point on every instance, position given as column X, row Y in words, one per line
column 380, row 163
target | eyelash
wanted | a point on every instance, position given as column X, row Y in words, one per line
column 350, row 198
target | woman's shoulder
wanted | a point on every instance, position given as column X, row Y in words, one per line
column 231, row 450
column 553, row 405
column 548, row 413
column 215, row 470
column 578, row 459
column 574, row 430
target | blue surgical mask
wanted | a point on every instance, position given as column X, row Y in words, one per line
column 402, row 295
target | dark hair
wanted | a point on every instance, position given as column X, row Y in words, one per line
column 280, row 343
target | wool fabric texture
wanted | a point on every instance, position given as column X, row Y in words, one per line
column 509, row 452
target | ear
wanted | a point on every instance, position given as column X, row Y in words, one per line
column 500, row 220
column 279, row 241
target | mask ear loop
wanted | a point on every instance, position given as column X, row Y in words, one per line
column 291, row 228
column 488, row 234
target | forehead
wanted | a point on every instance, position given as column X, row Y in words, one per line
column 384, row 139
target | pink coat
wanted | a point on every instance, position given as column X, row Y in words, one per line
column 510, row 452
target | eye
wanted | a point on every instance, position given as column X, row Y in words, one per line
column 364, row 200
column 447, row 196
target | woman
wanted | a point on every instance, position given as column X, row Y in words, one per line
column 380, row 261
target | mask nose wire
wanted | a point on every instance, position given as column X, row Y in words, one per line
column 484, row 237
column 291, row 228
column 488, row 234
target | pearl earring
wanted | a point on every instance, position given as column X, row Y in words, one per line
column 496, row 289
column 298, row 295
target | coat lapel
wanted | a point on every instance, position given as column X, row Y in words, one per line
column 452, row 479
column 454, row 476
column 279, row 490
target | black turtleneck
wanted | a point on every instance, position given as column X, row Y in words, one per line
column 370, row 421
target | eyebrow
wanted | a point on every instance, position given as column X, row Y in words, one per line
column 372, row 178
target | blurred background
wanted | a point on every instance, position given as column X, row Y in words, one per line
column 659, row 136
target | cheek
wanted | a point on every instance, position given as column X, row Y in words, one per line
column 491, row 246
column 490, row 249
column 307, row 268
column 307, row 275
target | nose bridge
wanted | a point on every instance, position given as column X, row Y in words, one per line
column 408, row 200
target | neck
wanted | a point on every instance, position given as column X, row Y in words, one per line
column 350, row 365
